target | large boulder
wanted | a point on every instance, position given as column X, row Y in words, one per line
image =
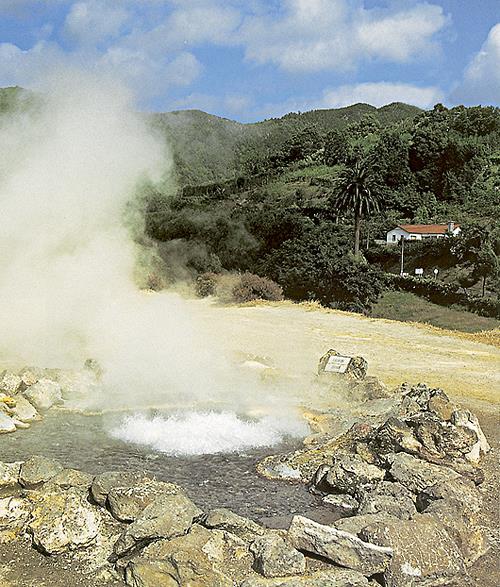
column 127, row 503
column 343, row 548
column 38, row 470
column 424, row 553
column 15, row 513
column 274, row 557
column 202, row 557
column 24, row 411
column 7, row 424
column 224, row 519
column 415, row 474
column 73, row 478
column 341, row 503
column 44, row 394
column 9, row 477
column 348, row 473
column 333, row 363
column 10, row 383
column 392, row 498
column 62, row 521
column 355, row 524
column 334, row 577
column 105, row 482
column 166, row 517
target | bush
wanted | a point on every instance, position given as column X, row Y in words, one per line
column 206, row 285
column 252, row 287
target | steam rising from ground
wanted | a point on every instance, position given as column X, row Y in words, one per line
column 67, row 263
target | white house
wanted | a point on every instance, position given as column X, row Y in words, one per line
column 418, row 232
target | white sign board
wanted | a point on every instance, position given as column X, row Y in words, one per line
column 337, row 364
column 419, row 271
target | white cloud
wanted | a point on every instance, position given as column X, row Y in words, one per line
column 95, row 21
column 481, row 82
column 382, row 93
column 315, row 35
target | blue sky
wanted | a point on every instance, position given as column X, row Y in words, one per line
column 254, row 59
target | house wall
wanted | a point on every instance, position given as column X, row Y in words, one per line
column 394, row 236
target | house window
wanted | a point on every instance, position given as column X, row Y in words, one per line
column 413, row 237
column 393, row 238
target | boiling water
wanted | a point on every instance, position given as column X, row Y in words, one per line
column 220, row 479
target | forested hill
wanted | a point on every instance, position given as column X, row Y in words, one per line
column 209, row 148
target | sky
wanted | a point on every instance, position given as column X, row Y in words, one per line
column 253, row 59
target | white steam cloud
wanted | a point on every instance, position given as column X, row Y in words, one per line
column 67, row 263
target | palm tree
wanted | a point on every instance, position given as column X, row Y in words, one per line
column 354, row 194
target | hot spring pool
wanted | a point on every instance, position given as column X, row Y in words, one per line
column 211, row 480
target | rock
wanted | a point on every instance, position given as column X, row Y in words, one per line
column 10, row 383
column 275, row 558
column 44, row 394
column 29, row 376
column 105, row 482
column 460, row 492
column 9, row 477
column 355, row 369
column 38, row 470
column 20, row 425
column 202, row 557
column 468, row 420
column 355, row 524
column 6, row 423
column 166, row 517
column 334, row 577
column 440, row 405
column 14, row 515
column 415, row 474
column 62, row 521
column 342, row 503
column 424, row 554
column 342, row 548
column 24, row 411
column 392, row 498
column 369, row 388
column 224, row 519
column 348, row 472
column 72, row 478
column 461, row 528
column 127, row 503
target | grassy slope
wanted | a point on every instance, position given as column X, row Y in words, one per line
column 407, row 307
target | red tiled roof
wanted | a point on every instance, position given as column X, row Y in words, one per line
column 426, row 228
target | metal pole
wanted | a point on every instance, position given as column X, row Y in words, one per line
column 402, row 255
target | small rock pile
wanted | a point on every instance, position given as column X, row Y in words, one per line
column 27, row 394
column 405, row 491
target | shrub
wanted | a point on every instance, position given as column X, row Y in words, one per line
column 252, row 287
column 206, row 285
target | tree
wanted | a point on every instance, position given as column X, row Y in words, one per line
column 354, row 194
column 336, row 148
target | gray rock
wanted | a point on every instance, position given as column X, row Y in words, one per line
column 344, row 504
column 105, row 482
column 460, row 492
column 6, row 423
column 392, row 498
column 38, row 470
column 30, row 375
column 415, row 474
column 62, row 521
column 343, row 548
column 424, row 553
column 24, row 411
column 355, row 524
column 356, row 369
column 224, row 519
column 44, row 394
column 334, row 577
column 469, row 421
column 127, row 503
column 167, row 517
column 73, row 478
column 275, row 558
column 10, row 383
column 349, row 472
column 9, row 477
column 15, row 513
